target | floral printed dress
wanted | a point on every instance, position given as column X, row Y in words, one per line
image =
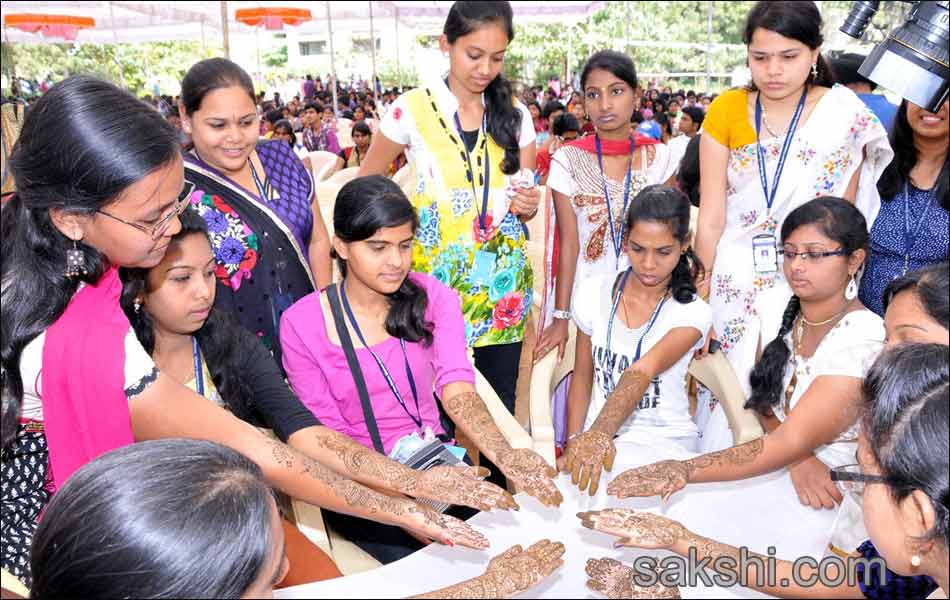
column 496, row 300
column 841, row 135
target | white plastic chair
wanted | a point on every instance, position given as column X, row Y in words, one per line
column 344, row 175
column 405, row 180
column 322, row 164
column 715, row 372
column 545, row 377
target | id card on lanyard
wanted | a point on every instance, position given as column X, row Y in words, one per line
column 765, row 246
column 616, row 237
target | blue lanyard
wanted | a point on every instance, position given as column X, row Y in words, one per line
column 262, row 187
column 468, row 157
column 382, row 367
column 786, row 146
column 615, row 237
column 613, row 313
column 910, row 239
column 199, row 372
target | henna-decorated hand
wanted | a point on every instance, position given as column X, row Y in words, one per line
column 516, row 570
column 464, row 486
column 586, row 456
column 616, row 580
column 634, row 528
column 661, row 478
column 444, row 529
column 531, row 473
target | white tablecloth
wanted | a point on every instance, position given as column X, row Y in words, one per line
column 758, row 513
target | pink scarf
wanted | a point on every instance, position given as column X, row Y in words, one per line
column 85, row 411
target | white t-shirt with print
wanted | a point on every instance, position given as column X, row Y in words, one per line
column 664, row 410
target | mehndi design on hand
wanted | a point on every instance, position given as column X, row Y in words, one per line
column 616, row 580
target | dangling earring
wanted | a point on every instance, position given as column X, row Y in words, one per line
column 137, row 306
column 75, row 262
column 814, row 70
column 915, row 560
column 851, row 292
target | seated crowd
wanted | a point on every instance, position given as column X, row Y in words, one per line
column 184, row 333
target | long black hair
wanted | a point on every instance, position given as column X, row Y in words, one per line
column 669, row 206
column 906, row 419
column 171, row 518
column 286, row 126
column 209, row 75
column 897, row 173
column 687, row 176
column 618, row 64
column 840, row 221
column 364, row 206
column 74, row 154
column 504, row 120
column 931, row 285
column 794, row 19
column 215, row 337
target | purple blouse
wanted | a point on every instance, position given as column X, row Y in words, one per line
column 318, row 372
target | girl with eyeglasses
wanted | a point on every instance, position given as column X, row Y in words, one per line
column 806, row 384
column 901, row 480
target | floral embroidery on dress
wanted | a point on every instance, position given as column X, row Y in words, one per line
column 461, row 202
column 740, row 158
column 770, row 225
column 862, row 121
column 732, row 332
column 725, row 289
column 748, row 218
column 428, row 234
column 764, row 281
column 235, row 245
column 805, row 153
column 832, row 170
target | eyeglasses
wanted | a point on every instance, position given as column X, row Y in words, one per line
column 158, row 229
column 851, row 480
column 811, row 256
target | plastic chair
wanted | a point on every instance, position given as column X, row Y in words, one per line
column 545, row 377
column 345, row 175
column 349, row 557
column 512, row 430
column 715, row 372
column 405, row 179
column 322, row 164
column 11, row 583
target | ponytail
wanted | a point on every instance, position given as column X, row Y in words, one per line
column 768, row 374
column 683, row 280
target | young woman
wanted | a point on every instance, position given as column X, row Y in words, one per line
column 355, row 155
column 900, row 479
column 408, row 336
column 270, row 243
column 192, row 519
column 465, row 136
column 594, row 181
column 806, row 385
column 636, row 333
column 917, row 307
column 832, row 144
column 171, row 309
column 90, row 199
column 912, row 228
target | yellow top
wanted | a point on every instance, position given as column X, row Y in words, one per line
column 727, row 119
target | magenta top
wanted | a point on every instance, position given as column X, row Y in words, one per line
column 312, row 362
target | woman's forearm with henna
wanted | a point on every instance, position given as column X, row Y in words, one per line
column 291, row 471
column 623, row 400
column 468, row 411
column 737, row 462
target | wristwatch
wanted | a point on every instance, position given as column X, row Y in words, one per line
column 564, row 315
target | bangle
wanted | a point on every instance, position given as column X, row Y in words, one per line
column 564, row 315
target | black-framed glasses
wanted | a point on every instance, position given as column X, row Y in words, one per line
column 158, row 229
column 851, row 480
column 812, row 256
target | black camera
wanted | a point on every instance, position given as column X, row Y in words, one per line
column 914, row 60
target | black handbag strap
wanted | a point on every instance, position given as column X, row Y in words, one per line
column 333, row 295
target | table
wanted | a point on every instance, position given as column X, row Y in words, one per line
column 758, row 513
